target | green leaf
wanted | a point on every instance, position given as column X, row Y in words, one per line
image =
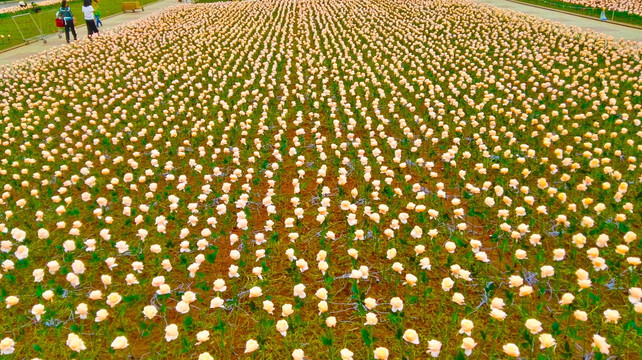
column 187, row 323
column 367, row 338
column 211, row 257
column 327, row 340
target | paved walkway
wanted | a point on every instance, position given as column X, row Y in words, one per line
column 14, row 3
column 22, row 52
column 610, row 29
column 7, row 4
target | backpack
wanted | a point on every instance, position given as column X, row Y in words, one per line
column 65, row 13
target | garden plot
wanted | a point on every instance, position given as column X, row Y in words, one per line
column 387, row 179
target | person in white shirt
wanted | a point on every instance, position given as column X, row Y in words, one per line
column 90, row 20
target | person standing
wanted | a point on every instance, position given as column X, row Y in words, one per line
column 97, row 13
column 88, row 12
column 68, row 19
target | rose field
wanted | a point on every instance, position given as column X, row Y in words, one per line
column 324, row 179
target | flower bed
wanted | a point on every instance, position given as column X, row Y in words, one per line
column 331, row 179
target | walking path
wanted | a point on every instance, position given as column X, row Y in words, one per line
column 610, row 29
column 10, row 56
column 7, row 4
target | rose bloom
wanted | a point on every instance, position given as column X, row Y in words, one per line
column 322, row 294
column 533, row 326
column 251, row 346
column 323, row 306
column 38, row 310
column 286, row 310
column 96, row 295
column 346, row 354
column 635, row 295
column 38, row 275
column 497, row 303
column 331, row 321
column 633, row 261
column 182, row 307
column 11, row 301
column 630, row 236
column 282, row 327
column 600, row 343
column 511, row 350
column 217, row 302
column 82, row 310
column 622, row 249
column 515, row 281
column 298, row 354
column 119, row 343
column 547, row 271
column 546, row 341
column 150, row 311
column 580, row 315
column 101, row 315
column 205, row 356
column 611, row 316
column 458, row 298
column 497, row 314
column 381, row 353
column 425, row 263
column 299, row 291
column 466, row 327
column 268, row 306
column 450, row 246
column 411, row 279
column 397, row 304
column 447, row 284
column 75, row 343
column 391, row 253
column 171, row 332
column 202, row 336
column 468, row 344
column 7, row 346
column 219, row 285
column 434, row 348
column 113, row 299
column 371, row 319
column 567, row 299
column 370, row 303
column 525, row 290
column 255, row 292
column 559, row 254
column 482, row 256
column 411, row 336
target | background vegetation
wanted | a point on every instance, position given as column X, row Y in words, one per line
column 10, row 34
column 613, row 16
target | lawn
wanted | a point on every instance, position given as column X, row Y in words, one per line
column 45, row 19
column 614, row 16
